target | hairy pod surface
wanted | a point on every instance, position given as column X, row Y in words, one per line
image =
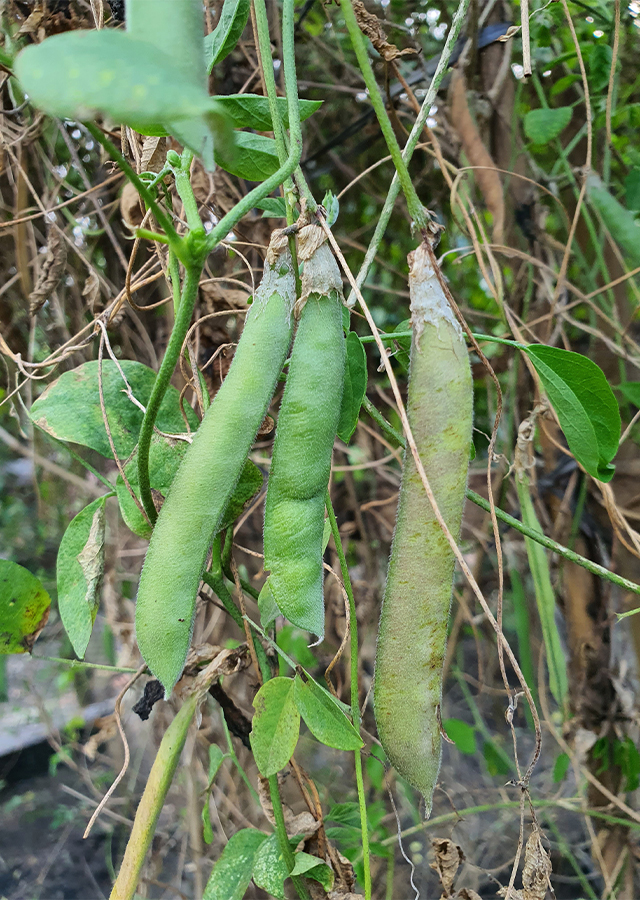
column 208, row 475
column 415, row 609
column 301, row 462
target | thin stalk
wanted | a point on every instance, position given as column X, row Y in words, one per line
column 396, row 335
column 281, row 831
column 412, row 140
column 185, row 192
column 355, row 701
column 164, row 220
column 416, row 209
column 547, row 542
column 160, row 385
column 227, row 223
column 231, row 753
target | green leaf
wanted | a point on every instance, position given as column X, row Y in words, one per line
column 254, row 157
column 312, row 867
column 269, row 868
column 599, row 66
column 355, row 386
column 543, row 125
column 69, row 409
column 24, row 608
column 404, row 343
column 227, row 33
column 495, row 760
column 80, row 569
column 232, row 872
column 374, row 765
column 560, row 767
column 276, row 725
column 632, row 189
column 267, row 606
column 584, row 402
column 252, row 110
column 274, row 207
column 331, row 205
column 249, row 483
column 462, row 735
column 207, row 827
column 630, row 390
column 626, row 756
column 562, row 84
column 79, row 73
column 216, row 758
column 345, row 814
column 324, row 719
column 619, row 221
column 294, row 642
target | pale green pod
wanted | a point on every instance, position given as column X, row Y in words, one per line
column 208, row 475
column 415, row 610
column 301, row 462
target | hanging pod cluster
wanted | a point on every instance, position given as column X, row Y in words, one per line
column 415, row 610
column 208, row 474
column 205, row 481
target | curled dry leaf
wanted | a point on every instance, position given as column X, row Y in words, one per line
column 449, row 856
column 50, row 272
column 130, row 207
column 154, row 152
column 537, row 868
column 467, row 894
column 303, row 824
column 371, row 27
column 91, row 291
column 486, row 174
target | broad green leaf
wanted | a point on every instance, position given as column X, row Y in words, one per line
column 274, row 207
column 175, row 28
column 562, row 84
column 80, row 569
column 165, row 455
column 599, row 66
column 561, row 767
column 207, row 827
column 69, row 409
column 543, row 125
column 632, row 189
column 227, row 33
column 24, row 608
column 269, row 868
column 355, row 386
column 79, row 73
column 462, row 735
column 584, row 402
column 254, row 157
column 619, row 221
column 276, row 725
column 252, row 110
column 630, row 390
column 313, row 867
column 232, row 872
column 324, row 719
column 267, row 606
column 345, row 814
column 294, row 642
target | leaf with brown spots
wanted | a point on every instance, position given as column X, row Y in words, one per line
column 24, row 608
column 448, row 859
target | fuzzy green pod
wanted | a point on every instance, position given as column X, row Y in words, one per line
column 209, row 472
column 306, row 430
column 415, row 609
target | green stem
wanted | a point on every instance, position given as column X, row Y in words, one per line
column 185, row 192
column 413, row 139
column 355, row 702
column 416, row 209
column 283, row 839
column 140, row 186
column 160, row 385
column 227, row 223
column 547, row 542
column 152, row 801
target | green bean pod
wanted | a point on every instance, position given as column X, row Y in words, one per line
column 415, row 610
column 209, row 472
column 305, row 432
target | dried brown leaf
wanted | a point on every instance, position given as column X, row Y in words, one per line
column 154, row 152
column 50, row 272
column 371, row 27
column 91, row 291
column 537, row 868
column 449, row 856
column 130, row 207
column 467, row 894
